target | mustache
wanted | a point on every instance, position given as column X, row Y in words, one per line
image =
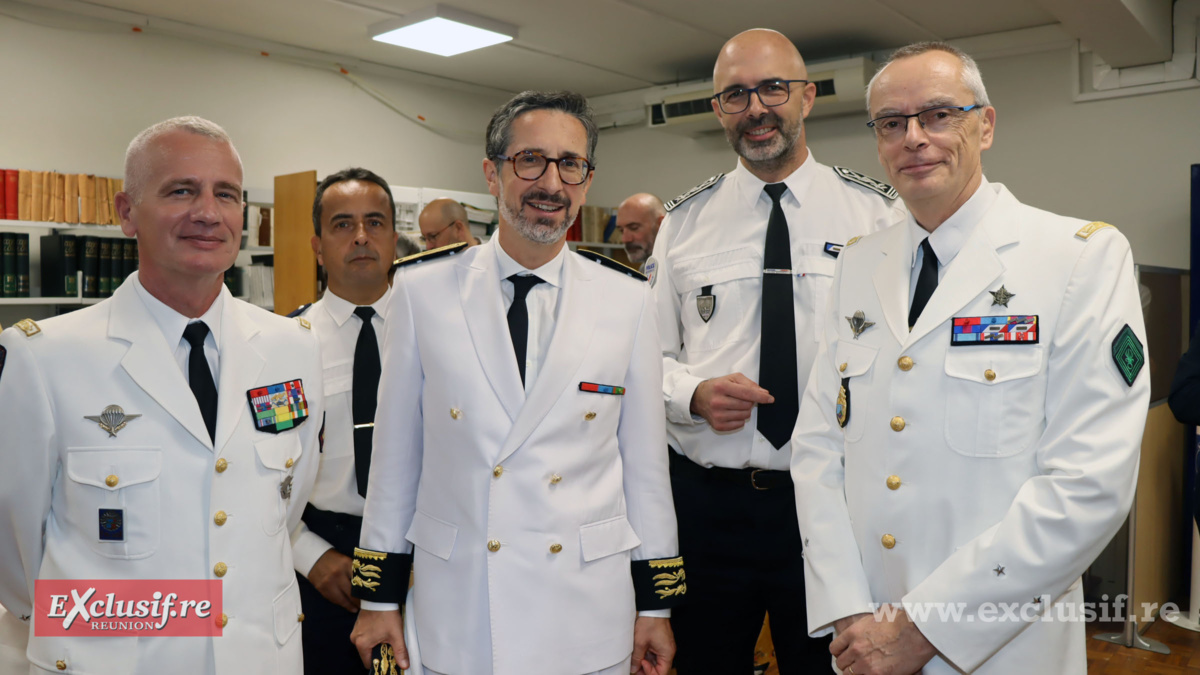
column 361, row 252
column 768, row 119
column 543, row 196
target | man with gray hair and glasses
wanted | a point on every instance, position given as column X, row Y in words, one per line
column 968, row 440
column 526, row 485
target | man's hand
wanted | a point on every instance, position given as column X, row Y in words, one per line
column 887, row 644
column 653, row 646
column 726, row 401
column 331, row 576
column 373, row 628
column 843, row 623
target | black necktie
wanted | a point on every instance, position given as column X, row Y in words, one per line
column 200, row 378
column 518, row 317
column 927, row 283
column 777, row 362
column 365, row 395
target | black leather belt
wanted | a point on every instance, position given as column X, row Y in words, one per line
column 758, row 479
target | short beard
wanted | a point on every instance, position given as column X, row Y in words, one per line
column 636, row 258
column 767, row 155
column 539, row 230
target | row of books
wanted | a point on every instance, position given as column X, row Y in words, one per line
column 592, row 225
column 105, row 262
column 14, row 265
column 48, row 196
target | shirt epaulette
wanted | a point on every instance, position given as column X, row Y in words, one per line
column 28, row 326
column 1088, row 230
column 431, row 254
column 299, row 310
column 852, row 176
column 693, row 192
column 611, row 264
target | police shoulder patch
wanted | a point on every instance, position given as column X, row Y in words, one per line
column 1088, row 230
column 852, row 176
column 693, row 192
column 28, row 326
column 300, row 310
column 611, row 264
column 431, row 254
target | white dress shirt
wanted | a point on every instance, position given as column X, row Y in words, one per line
column 173, row 324
column 336, row 489
column 948, row 239
column 712, row 244
column 542, row 303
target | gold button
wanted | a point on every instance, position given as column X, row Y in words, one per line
column 590, row 416
column 888, row 541
column 111, row 481
column 497, row 471
column 893, row 482
column 222, row 621
column 455, row 413
column 905, row 363
column 842, row 368
column 220, row 569
column 289, row 463
column 898, row 423
column 300, row 618
column 222, row 465
column 61, row 665
column 493, row 545
column 220, row 518
column 555, row 479
column 556, row 548
column 989, row 375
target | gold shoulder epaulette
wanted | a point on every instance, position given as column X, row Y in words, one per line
column 29, row 327
column 1088, row 230
column 853, row 241
column 303, row 323
column 431, row 254
column 611, row 264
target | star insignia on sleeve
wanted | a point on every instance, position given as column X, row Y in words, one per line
column 999, row 570
column 1002, row 296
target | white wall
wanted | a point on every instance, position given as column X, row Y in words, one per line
column 1125, row 161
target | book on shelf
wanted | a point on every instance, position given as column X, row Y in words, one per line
column 71, row 198
column 128, row 257
column 4, row 193
column 89, row 262
column 87, row 199
column 22, row 264
column 12, row 182
column 105, row 275
column 35, row 195
column 47, row 195
column 24, row 186
column 60, row 262
column 8, row 264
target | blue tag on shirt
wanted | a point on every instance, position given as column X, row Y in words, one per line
column 112, row 525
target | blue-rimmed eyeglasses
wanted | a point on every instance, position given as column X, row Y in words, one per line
column 530, row 165
column 933, row 120
column 771, row 94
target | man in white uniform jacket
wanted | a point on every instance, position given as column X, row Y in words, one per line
column 130, row 454
column 531, row 475
column 969, row 436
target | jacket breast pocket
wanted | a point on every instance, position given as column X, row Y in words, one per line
column 277, row 455
column 716, row 293
column 995, row 399
column 112, row 495
column 854, row 363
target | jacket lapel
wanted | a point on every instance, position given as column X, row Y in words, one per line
column 483, row 307
column 891, row 278
column 241, row 364
column 573, row 330
column 150, row 361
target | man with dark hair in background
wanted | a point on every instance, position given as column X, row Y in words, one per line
column 354, row 240
column 529, row 477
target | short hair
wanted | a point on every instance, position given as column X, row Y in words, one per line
column 135, row 163
column 345, row 175
column 407, row 245
column 972, row 79
column 499, row 129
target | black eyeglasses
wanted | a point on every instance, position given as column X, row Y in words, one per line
column 933, row 120
column 433, row 237
column 770, row 94
column 530, row 165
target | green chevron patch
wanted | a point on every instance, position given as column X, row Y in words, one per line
column 1128, row 354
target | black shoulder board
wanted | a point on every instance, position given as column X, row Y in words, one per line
column 693, row 192
column 299, row 310
column 611, row 264
column 431, row 254
column 866, row 181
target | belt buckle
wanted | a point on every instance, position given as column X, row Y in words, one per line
column 754, row 482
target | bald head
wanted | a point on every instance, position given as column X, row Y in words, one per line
column 638, row 218
column 757, row 46
column 444, row 222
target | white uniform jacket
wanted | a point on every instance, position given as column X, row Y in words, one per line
column 525, row 513
column 188, row 506
column 969, row 475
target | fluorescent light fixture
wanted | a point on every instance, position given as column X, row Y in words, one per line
column 442, row 30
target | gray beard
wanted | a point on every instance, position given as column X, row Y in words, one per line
column 771, row 155
column 539, row 230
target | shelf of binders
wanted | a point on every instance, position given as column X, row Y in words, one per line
column 72, row 228
column 78, row 299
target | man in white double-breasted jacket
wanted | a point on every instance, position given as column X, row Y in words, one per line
column 115, row 469
column 519, row 437
column 969, row 439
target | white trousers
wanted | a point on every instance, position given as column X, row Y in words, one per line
column 621, row 668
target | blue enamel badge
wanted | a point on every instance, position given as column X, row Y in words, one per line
column 112, row 525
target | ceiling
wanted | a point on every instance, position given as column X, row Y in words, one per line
column 594, row 46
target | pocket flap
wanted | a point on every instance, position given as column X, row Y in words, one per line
column 337, row 384
column 607, row 537
column 435, row 537
column 692, row 273
column 1003, row 363
column 130, row 465
column 287, row 613
column 275, row 451
column 810, row 265
column 858, row 358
